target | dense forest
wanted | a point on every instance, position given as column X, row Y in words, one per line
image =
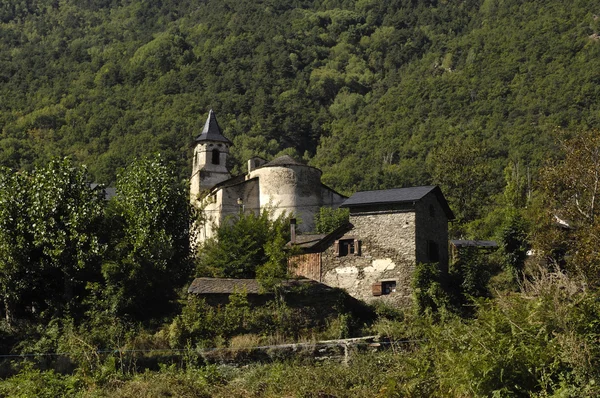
column 497, row 101
column 364, row 90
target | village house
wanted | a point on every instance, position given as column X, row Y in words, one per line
column 283, row 184
column 374, row 256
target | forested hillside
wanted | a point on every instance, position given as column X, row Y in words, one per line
column 363, row 89
column 497, row 101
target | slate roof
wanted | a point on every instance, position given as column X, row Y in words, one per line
column 211, row 130
column 231, row 181
column 310, row 241
column 484, row 244
column 223, row 286
column 284, row 160
column 397, row 195
column 307, row 241
column 250, row 286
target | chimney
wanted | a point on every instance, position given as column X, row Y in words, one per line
column 254, row 163
column 293, row 230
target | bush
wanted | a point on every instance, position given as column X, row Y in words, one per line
column 31, row 382
column 428, row 291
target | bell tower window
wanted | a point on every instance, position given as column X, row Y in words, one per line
column 216, row 155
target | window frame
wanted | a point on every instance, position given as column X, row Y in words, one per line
column 347, row 246
column 215, row 157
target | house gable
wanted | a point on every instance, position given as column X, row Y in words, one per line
column 389, row 232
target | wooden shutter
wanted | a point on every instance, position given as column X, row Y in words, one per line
column 356, row 247
column 336, row 247
column 377, row 291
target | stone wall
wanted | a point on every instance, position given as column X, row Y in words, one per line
column 387, row 253
column 205, row 175
column 224, row 202
column 297, row 190
column 432, row 226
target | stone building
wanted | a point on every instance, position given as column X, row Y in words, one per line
column 374, row 256
column 283, row 184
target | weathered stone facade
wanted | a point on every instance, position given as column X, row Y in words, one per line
column 283, row 185
column 374, row 257
column 387, row 252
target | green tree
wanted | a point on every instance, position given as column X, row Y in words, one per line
column 16, row 242
column 462, row 170
column 151, row 258
column 328, row 219
column 572, row 191
column 514, row 241
column 49, row 244
column 246, row 246
column 65, row 213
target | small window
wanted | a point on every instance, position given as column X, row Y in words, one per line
column 216, row 156
column 433, row 251
column 347, row 247
column 384, row 288
column 431, row 211
column 388, row 287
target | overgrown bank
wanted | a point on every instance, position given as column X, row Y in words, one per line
column 539, row 342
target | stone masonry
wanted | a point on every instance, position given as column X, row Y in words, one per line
column 387, row 252
column 375, row 256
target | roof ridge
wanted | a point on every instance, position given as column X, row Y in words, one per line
column 211, row 130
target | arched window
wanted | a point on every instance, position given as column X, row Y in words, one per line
column 216, row 155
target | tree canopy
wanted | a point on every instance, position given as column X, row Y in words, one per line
column 364, row 90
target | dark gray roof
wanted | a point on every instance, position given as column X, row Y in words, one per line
column 284, row 160
column 397, row 195
column 211, row 130
column 223, row 286
column 307, row 241
column 231, row 181
column 250, row 286
column 484, row 244
column 312, row 241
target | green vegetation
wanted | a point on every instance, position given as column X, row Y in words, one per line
column 495, row 101
column 365, row 90
column 328, row 220
column 246, row 246
column 65, row 249
column 541, row 343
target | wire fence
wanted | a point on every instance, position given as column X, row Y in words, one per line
column 293, row 346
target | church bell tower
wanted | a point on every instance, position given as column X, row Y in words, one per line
column 209, row 166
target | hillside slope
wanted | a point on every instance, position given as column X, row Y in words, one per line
column 364, row 89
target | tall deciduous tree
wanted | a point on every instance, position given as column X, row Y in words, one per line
column 49, row 244
column 462, row 170
column 65, row 213
column 572, row 188
column 151, row 258
column 16, row 241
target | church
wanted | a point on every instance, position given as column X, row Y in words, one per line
column 373, row 257
column 283, row 185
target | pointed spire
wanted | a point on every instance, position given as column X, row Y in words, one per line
column 211, row 130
